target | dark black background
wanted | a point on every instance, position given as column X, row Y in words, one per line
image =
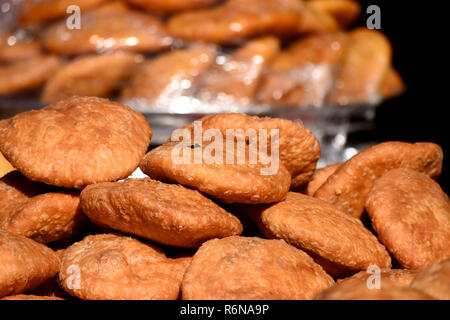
column 417, row 30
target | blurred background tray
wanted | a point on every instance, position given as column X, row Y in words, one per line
column 331, row 125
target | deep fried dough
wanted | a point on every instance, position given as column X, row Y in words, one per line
column 349, row 186
column 411, row 215
column 27, row 74
column 14, row 47
column 237, row 20
column 401, row 277
column 365, row 64
column 115, row 6
column 322, row 48
column 346, row 12
column 339, row 241
column 319, row 177
column 76, row 142
column 239, row 268
column 5, row 166
column 298, row 148
column 16, row 191
column 108, row 30
column 24, row 264
column 112, row 267
column 392, row 84
column 170, row 6
column 40, row 214
column 94, row 75
column 434, row 280
column 170, row 75
column 314, row 70
column 235, row 80
column 51, row 287
column 165, row 213
column 228, row 182
column 389, row 290
column 315, row 21
column 41, row 11
column 303, row 73
column 19, row 51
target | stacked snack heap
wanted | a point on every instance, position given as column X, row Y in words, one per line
column 182, row 54
column 232, row 208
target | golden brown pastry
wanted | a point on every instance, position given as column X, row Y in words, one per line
column 169, row 214
column 24, row 264
column 14, row 47
column 170, row 6
column 236, row 20
column 41, row 11
column 411, row 215
column 315, row 21
column 392, row 84
column 303, row 73
column 236, row 79
column 93, row 75
column 5, row 166
column 76, row 142
column 346, row 12
column 242, row 268
column 27, row 74
column 108, row 29
column 366, row 61
column 348, row 187
column 114, row 267
column 169, row 76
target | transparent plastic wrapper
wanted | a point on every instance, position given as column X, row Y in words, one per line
column 156, row 58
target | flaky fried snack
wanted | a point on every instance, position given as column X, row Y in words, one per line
column 434, row 280
column 303, row 73
column 27, row 74
column 236, row 80
column 319, row 177
column 37, row 212
column 15, row 48
column 76, row 142
column 93, row 75
column 401, row 277
column 240, row 268
column 332, row 68
column 365, row 64
column 315, row 21
column 236, row 20
column 389, row 290
column 24, row 264
column 336, row 240
column 165, row 213
column 113, row 267
column 349, row 186
column 171, row 6
column 39, row 11
column 106, row 30
column 5, row 166
column 299, row 150
column 169, row 76
column 392, row 84
column 225, row 181
column 345, row 12
column 411, row 215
